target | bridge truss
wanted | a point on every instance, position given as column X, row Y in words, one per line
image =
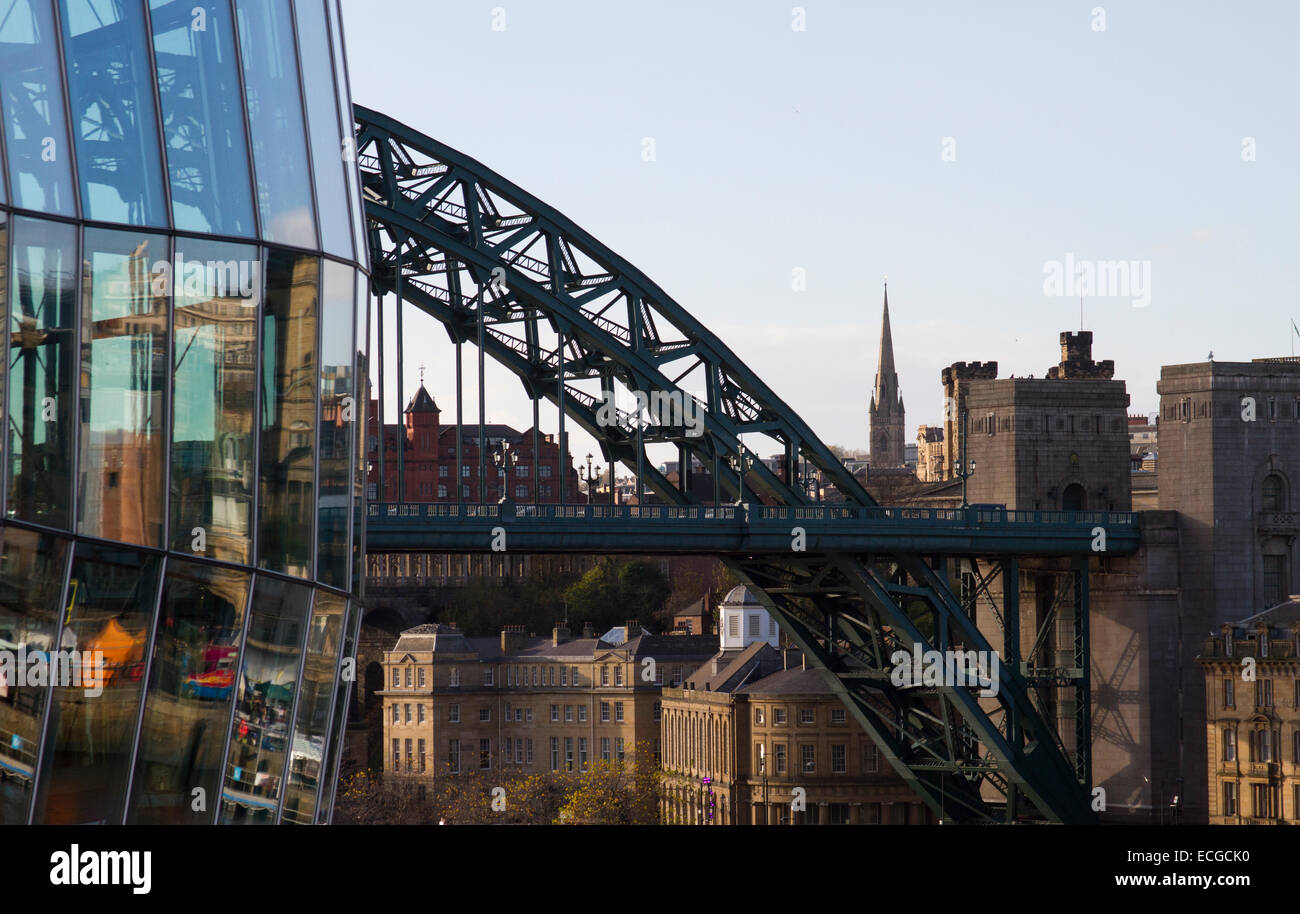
column 505, row 272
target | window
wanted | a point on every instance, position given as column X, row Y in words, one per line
column 659, row 710
column 420, row 754
column 1273, row 493
column 837, row 715
column 442, row 474
column 397, row 755
column 408, row 677
column 521, row 491
column 807, row 716
column 1262, row 746
column 397, row 678
column 552, row 676
column 604, row 748
column 453, row 714
column 574, row 676
column 1230, row 798
column 659, row 675
column 420, row 713
column 534, row 677
column 555, row 753
column 410, row 761
column 564, row 676
column 753, row 626
column 485, row 753
column 522, row 471
column 568, row 753
column 839, row 813
column 839, row 763
column 758, row 715
column 397, row 714
column 604, row 675
column 519, row 715
column 618, row 748
column 488, row 676
column 582, row 714
column 676, row 676
column 519, row 751
column 510, row 749
column 568, row 714
column 807, row 758
column 1229, row 700
column 618, row 712
column 604, row 712
column 1264, row 800
column 420, row 677
column 1263, row 693
column 544, row 471
column 618, row 675
column 870, row 758
column 555, row 712
column 407, row 711
column 779, row 716
column 455, row 678
column 657, row 753
column 1274, row 579
column 464, row 471
column 509, row 716
column 484, row 714
column 529, row 743
column 528, row 715
column 779, row 752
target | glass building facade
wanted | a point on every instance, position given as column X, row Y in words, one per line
column 183, row 273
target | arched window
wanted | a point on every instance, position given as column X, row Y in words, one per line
column 1274, row 493
column 1074, row 498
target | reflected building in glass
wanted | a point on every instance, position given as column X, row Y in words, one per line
column 183, row 273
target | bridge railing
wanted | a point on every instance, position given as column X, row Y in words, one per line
column 975, row 515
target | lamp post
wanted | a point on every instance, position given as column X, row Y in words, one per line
column 741, row 463
column 590, row 477
column 504, row 457
column 964, row 470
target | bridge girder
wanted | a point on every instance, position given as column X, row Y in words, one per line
column 438, row 220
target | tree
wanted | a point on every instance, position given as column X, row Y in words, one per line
column 612, row 592
column 616, row 792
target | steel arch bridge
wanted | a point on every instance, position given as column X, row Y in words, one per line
column 501, row 270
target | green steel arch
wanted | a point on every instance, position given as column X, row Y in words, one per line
column 454, row 238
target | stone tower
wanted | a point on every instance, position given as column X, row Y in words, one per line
column 885, row 415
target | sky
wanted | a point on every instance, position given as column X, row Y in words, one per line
column 959, row 149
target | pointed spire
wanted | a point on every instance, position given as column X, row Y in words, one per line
column 886, row 390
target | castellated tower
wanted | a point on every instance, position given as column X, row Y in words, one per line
column 885, row 415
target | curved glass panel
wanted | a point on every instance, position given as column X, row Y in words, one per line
column 96, row 702
column 31, row 94
column 32, row 567
column 275, row 121
column 287, row 505
column 203, row 118
column 268, row 680
column 217, row 292
column 191, row 689
column 42, row 370
column 307, row 748
column 349, row 124
column 124, row 374
column 337, row 408
column 110, row 87
column 358, row 439
column 327, row 150
column 342, row 698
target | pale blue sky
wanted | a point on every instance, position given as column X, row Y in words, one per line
column 821, row 149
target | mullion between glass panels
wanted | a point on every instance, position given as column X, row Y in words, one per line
column 306, row 138
column 7, row 259
column 69, row 134
column 319, row 367
column 292, row 720
column 144, row 687
column 160, row 135
column 329, row 717
column 248, row 126
column 361, row 244
column 42, row 745
column 345, row 129
column 350, row 635
column 234, row 700
column 254, row 532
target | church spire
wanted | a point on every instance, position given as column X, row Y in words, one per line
column 885, row 416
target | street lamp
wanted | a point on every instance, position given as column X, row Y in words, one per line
column 963, row 470
column 590, row 477
column 741, row 463
column 504, row 457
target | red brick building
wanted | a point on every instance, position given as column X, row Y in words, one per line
column 429, row 460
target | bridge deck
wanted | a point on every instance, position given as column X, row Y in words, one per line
column 744, row 529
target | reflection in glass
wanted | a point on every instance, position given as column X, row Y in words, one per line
column 31, row 93
column 42, row 366
column 360, row 421
column 345, row 105
column 203, row 118
column 32, row 566
column 110, row 85
column 307, row 749
column 324, row 132
column 86, row 765
column 337, row 408
column 191, row 688
column 288, row 414
column 275, row 122
column 124, row 374
column 217, row 291
column 264, row 702
column 342, row 701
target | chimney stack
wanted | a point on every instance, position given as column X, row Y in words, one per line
column 587, row 631
column 512, row 639
column 559, row 634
